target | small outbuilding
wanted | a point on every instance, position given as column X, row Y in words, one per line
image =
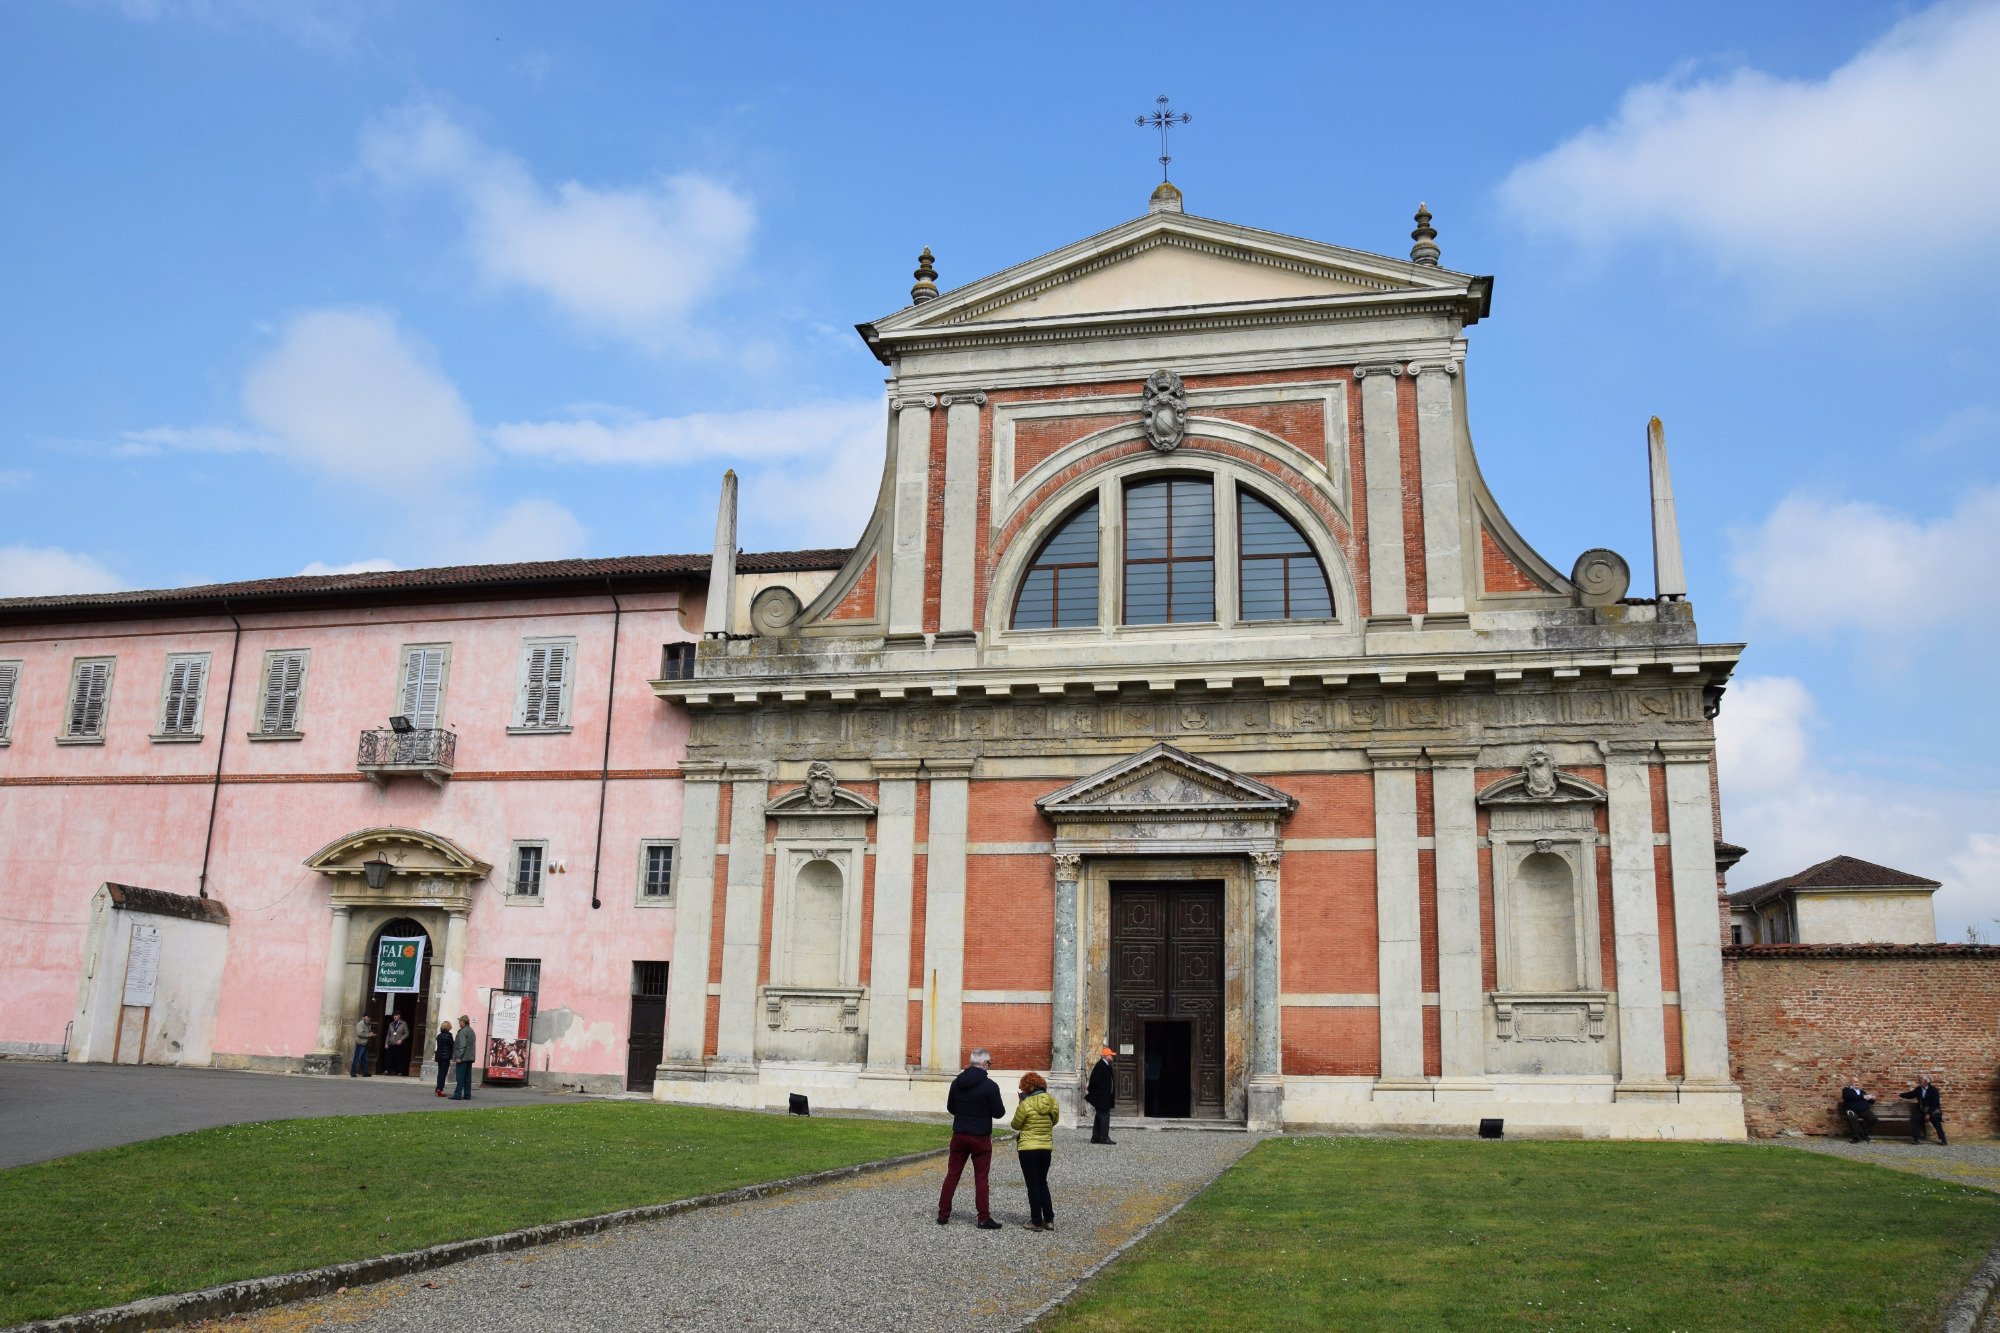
column 1843, row 900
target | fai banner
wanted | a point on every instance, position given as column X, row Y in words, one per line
column 510, row 1017
column 399, row 965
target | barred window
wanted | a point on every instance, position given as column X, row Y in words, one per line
column 1281, row 578
column 1060, row 590
column 1170, row 551
column 525, row 974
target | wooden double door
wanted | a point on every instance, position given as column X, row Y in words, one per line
column 1166, row 997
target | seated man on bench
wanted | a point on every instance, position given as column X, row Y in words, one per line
column 1857, row 1108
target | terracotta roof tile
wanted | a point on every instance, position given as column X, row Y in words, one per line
column 1839, row 872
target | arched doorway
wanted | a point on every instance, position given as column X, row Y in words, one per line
column 414, row 1007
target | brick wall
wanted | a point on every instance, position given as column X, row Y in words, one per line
column 1804, row 1017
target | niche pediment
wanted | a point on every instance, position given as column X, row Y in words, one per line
column 425, row 869
column 1540, row 782
column 820, row 797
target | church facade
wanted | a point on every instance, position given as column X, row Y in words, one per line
column 1188, row 692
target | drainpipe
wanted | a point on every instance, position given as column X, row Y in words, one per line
column 221, row 744
column 604, row 770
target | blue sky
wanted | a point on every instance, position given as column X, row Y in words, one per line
column 292, row 288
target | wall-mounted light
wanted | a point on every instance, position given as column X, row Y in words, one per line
column 401, row 725
column 376, row 871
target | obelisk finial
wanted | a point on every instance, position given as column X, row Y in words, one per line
column 1425, row 251
column 1669, row 577
column 926, row 276
column 722, row 567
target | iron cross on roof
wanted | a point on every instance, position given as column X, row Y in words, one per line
column 1163, row 118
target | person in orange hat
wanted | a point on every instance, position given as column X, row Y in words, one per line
column 1102, row 1094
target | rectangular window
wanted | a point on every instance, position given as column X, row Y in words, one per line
column 278, row 712
column 10, row 687
column 182, row 694
column 677, row 661
column 547, row 666
column 656, row 872
column 530, row 863
column 525, row 974
column 89, row 699
column 422, row 696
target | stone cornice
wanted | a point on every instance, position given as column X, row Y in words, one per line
column 1687, row 752
column 1396, row 756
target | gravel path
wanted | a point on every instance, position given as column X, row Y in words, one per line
column 865, row 1254
column 1963, row 1163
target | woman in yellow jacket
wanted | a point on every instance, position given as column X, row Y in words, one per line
column 1035, row 1122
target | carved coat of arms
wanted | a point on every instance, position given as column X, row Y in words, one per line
column 1165, row 411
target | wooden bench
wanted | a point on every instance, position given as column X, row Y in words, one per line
column 1892, row 1116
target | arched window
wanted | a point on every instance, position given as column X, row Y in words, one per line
column 1170, row 551
column 1060, row 590
column 1280, row 577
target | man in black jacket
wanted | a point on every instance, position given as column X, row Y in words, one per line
column 974, row 1103
column 1929, row 1110
column 1102, row 1094
column 1858, row 1109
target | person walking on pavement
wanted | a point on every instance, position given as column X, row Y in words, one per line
column 1929, row 1110
column 396, row 1047
column 1102, row 1094
column 441, row 1051
column 1035, row 1118
column 464, row 1049
column 364, row 1032
column 974, row 1103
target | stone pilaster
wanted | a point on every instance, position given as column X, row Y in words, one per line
column 911, row 516
column 332, row 988
column 452, row 991
column 944, row 914
column 742, row 928
column 1461, row 980
column 1399, row 935
column 1635, row 919
column 1267, row 1086
column 694, row 911
column 1382, row 459
column 895, row 893
column 1697, row 929
column 1065, row 1059
column 1437, row 449
column 961, row 512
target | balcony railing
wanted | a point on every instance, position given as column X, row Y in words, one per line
column 427, row 751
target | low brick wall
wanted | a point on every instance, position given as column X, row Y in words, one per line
column 1803, row 1018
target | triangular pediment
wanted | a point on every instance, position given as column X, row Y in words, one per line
column 1163, row 780
column 1172, row 261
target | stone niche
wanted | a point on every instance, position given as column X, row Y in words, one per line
column 814, row 1005
column 1549, row 1013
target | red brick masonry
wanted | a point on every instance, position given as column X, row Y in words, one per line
column 1803, row 1017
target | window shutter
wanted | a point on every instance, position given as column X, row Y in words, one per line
column 538, row 685
column 10, row 679
column 184, row 679
column 86, row 709
column 283, row 677
column 556, row 684
column 423, row 686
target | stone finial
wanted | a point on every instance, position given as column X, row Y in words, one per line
column 926, row 276
column 1669, row 575
column 1166, row 199
column 1425, row 251
column 722, row 568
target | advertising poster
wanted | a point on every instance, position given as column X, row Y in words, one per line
column 510, row 1017
column 399, row 965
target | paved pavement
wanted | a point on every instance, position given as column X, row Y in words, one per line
column 1963, row 1162
column 862, row 1254
column 51, row 1110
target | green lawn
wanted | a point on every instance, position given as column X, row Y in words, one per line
column 190, row 1211
column 1334, row 1233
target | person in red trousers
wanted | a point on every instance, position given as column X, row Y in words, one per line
column 974, row 1103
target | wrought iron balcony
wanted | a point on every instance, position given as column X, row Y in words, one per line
column 427, row 751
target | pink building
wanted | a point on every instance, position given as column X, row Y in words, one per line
column 232, row 745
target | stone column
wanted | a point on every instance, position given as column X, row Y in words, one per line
column 1437, row 449
column 944, row 914
column 742, row 929
column 1065, row 1058
column 961, row 512
column 1267, row 1087
column 452, row 990
column 895, row 890
column 1399, row 934
column 694, row 914
column 1697, row 928
column 1635, row 919
column 1382, row 458
column 911, row 515
column 1461, row 975
column 332, row 988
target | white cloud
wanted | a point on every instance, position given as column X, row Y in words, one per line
column 46, row 571
column 9, row 480
column 635, row 260
column 1793, row 808
column 331, row 24
column 373, row 566
column 1821, row 567
column 1886, row 170
column 525, row 530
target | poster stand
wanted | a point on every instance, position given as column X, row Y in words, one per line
column 510, row 1021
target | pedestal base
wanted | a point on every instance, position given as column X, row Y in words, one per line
column 317, row 1063
column 1267, row 1104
